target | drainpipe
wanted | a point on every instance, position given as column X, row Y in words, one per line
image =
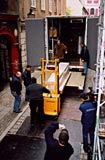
column 19, row 38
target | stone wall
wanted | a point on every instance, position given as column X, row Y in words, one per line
column 23, row 49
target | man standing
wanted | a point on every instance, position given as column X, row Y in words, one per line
column 59, row 149
column 16, row 87
column 60, row 50
column 34, row 93
column 27, row 77
column 88, row 119
column 84, row 55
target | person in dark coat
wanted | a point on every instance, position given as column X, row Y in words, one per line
column 27, row 77
column 84, row 55
column 59, row 149
column 34, row 93
column 88, row 119
column 16, row 87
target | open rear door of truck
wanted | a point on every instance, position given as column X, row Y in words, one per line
column 92, row 39
column 35, row 40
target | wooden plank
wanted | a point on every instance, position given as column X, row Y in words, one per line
column 76, row 80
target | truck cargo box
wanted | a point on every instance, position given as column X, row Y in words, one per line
column 42, row 34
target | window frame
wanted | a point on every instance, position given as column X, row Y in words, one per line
column 59, row 11
column 43, row 5
column 96, row 1
column 89, row 1
column 55, row 6
column 33, row 3
column 50, row 5
column 92, row 11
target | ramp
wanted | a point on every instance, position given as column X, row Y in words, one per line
column 76, row 80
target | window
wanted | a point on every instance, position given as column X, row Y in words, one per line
column 33, row 3
column 89, row 1
column 92, row 11
column 50, row 5
column 95, row 1
column 55, row 6
column 59, row 12
column 43, row 5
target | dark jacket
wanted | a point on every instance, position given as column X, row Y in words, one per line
column 84, row 54
column 15, row 84
column 54, row 150
column 35, row 91
column 26, row 77
column 88, row 110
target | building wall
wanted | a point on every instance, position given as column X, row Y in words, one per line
column 57, row 7
column 60, row 5
column 9, row 6
column 8, row 38
column 23, row 7
column 92, row 7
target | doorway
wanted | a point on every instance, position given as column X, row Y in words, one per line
column 8, row 57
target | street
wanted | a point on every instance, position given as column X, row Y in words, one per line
column 28, row 143
column 17, row 136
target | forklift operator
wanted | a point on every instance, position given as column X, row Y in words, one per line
column 34, row 93
column 60, row 50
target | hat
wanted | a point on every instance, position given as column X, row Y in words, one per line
column 83, row 95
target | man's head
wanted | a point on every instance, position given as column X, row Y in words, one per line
column 33, row 80
column 63, row 137
column 82, row 44
column 84, row 96
column 28, row 67
column 58, row 42
column 18, row 74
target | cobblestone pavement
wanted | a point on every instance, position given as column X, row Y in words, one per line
column 7, row 116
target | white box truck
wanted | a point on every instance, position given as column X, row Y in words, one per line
column 42, row 34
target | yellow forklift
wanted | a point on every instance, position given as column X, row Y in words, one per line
column 54, row 76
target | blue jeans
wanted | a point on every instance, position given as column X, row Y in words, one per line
column 17, row 101
column 85, row 67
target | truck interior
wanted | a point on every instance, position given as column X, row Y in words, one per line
column 71, row 31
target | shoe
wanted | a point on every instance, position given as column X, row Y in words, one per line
column 17, row 111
